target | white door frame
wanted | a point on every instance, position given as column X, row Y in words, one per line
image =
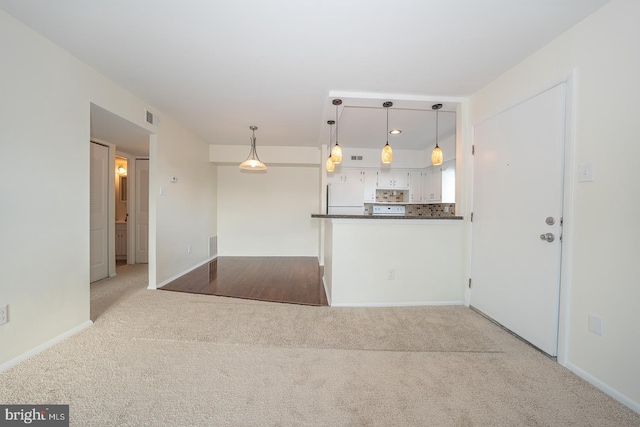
column 567, row 204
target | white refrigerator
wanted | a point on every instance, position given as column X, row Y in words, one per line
column 345, row 198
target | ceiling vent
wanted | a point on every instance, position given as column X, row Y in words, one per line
column 356, row 157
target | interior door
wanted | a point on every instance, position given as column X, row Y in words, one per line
column 142, row 211
column 517, row 217
column 99, row 212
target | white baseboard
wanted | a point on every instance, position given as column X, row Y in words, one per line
column 171, row 279
column 631, row 404
column 24, row 356
column 399, row 304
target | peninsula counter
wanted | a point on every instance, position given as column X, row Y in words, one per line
column 393, row 260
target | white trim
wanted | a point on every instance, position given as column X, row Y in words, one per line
column 567, row 218
column 177, row 276
column 395, row 97
column 626, row 401
column 42, row 347
column 153, row 210
column 326, row 291
column 400, row 304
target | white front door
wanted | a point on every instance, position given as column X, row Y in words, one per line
column 99, row 212
column 517, row 200
column 142, row 211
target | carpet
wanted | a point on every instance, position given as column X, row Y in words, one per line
column 168, row 358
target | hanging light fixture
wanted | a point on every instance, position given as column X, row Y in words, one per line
column 387, row 153
column 330, row 165
column 336, row 152
column 253, row 163
column 436, row 154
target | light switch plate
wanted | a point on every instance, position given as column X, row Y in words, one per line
column 596, row 325
column 585, row 172
column 4, row 314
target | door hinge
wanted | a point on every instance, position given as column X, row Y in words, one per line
column 469, row 282
column 473, row 150
column 471, row 216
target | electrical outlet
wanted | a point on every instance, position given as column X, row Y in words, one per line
column 391, row 274
column 189, row 249
column 4, row 316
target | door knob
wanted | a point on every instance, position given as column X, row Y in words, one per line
column 549, row 237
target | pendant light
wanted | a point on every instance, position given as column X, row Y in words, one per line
column 336, row 152
column 330, row 165
column 253, row 163
column 436, row 154
column 387, row 153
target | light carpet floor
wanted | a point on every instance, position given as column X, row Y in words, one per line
column 174, row 359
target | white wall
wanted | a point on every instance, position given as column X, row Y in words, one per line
column 427, row 257
column 268, row 213
column 44, row 136
column 603, row 268
column 186, row 211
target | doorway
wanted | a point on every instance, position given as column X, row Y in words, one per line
column 517, row 217
column 127, row 142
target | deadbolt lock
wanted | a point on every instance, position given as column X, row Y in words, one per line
column 550, row 220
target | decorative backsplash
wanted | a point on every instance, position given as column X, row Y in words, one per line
column 433, row 210
column 383, row 196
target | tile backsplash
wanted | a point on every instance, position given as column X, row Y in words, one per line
column 433, row 210
column 385, row 196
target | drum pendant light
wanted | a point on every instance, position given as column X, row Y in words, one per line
column 436, row 154
column 336, row 152
column 330, row 166
column 253, row 163
column 387, row 153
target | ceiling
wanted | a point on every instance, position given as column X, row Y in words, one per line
column 218, row 67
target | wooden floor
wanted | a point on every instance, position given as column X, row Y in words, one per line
column 295, row 280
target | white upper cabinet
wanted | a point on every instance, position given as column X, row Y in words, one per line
column 432, row 185
column 345, row 176
column 416, row 195
column 397, row 180
column 370, row 181
column 346, row 188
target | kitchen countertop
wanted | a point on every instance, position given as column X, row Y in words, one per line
column 383, row 217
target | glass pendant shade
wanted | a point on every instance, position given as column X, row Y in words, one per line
column 387, row 154
column 330, row 166
column 253, row 162
column 436, row 156
column 336, row 154
column 336, row 151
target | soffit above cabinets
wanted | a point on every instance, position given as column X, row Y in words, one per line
column 366, row 127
